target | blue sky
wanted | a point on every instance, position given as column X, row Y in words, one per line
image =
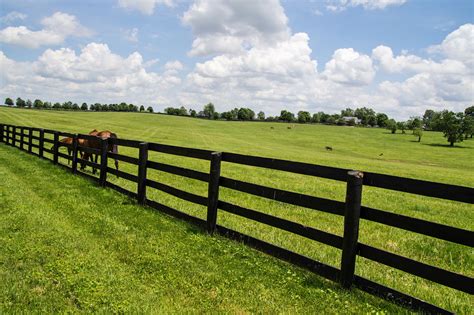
column 261, row 63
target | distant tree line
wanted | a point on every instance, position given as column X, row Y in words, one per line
column 97, row 107
column 456, row 127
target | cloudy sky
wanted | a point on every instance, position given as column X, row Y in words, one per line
column 396, row 56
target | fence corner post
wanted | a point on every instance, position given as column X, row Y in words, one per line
column 56, row 147
column 41, row 143
column 22, row 140
column 74, row 154
column 213, row 191
column 142, row 167
column 1, row 132
column 351, row 227
column 30, row 139
column 104, row 143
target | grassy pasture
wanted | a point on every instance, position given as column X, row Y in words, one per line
column 373, row 150
column 106, row 254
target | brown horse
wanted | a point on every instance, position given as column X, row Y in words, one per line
column 95, row 144
column 68, row 141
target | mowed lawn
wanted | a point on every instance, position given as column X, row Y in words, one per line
column 68, row 245
column 365, row 149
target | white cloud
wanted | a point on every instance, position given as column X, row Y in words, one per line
column 144, row 6
column 12, row 17
column 222, row 26
column 56, row 29
column 131, row 35
column 458, row 45
column 349, row 67
column 95, row 74
column 340, row 5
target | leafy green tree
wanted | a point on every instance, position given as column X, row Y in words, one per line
column 29, row 103
column 84, row 106
column 245, row 114
column 149, row 109
column 304, row 117
column 47, row 105
column 391, row 125
column 261, row 115
column 20, row 102
column 348, row 112
column 75, row 106
column 428, row 118
column 316, row 118
column 56, row 106
column 287, row 116
column 209, row 110
column 468, row 126
column 418, row 132
column 142, row 108
column 452, row 127
column 402, row 126
column 38, row 104
column 67, row 105
column 382, row 120
column 365, row 114
column 9, row 101
column 192, row 113
column 215, row 116
column 469, row 111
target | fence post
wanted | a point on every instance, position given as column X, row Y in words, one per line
column 14, row 136
column 103, row 161
column 351, row 227
column 41, row 143
column 213, row 191
column 22, row 130
column 56, row 147
column 142, row 160
column 30, row 139
column 74, row 154
column 1, row 132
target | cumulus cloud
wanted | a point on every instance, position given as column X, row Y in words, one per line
column 349, row 67
column 56, row 29
column 144, row 6
column 95, row 74
column 340, row 5
column 222, row 26
column 12, row 17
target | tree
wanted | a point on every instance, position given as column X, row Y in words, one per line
column 209, row 110
column 382, row 120
column 391, row 125
column 451, row 125
column 287, row 116
column 29, row 103
column 142, row 108
column 38, row 104
column 75, row 106
column 245, row 114
column 56, row 106
column 304, row 117
column 348, row 112
column 47, row 105
column 414, row 123
column 418, row 132
column 192, row 113
column 20, row 102
column 428, row 118
column 149, row 109
column 9, row 101
column 317, row 117
column 365, row 114
column 261, row 115
column 402, row 126
column 468, row 126
column 84, row 106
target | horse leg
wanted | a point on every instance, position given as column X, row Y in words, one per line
column 95, row 161
column 69, row 153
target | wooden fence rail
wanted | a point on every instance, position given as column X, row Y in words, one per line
column 352, row 210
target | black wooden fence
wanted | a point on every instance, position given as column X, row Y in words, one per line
column 37, row 141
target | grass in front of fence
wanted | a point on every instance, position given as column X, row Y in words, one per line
column 353, row 148
column 68, row 245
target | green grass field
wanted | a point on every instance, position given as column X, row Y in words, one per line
column 355, row 148
column 69, row 245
